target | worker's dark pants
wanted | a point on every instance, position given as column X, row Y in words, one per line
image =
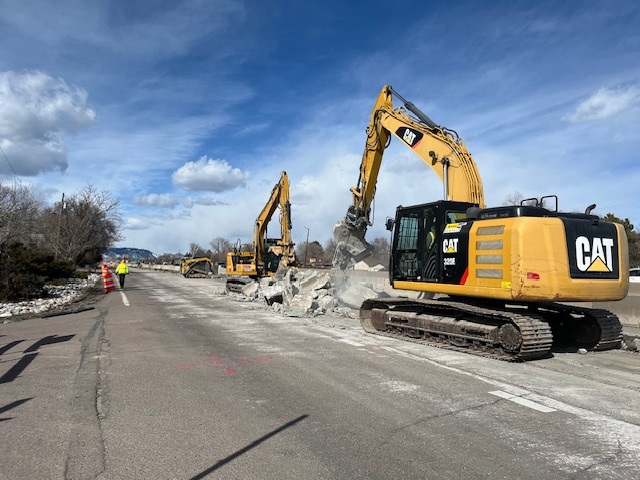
column 121, row 278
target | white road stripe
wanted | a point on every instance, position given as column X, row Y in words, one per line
column 351, row 342
column 125, row 300
column 522, row 401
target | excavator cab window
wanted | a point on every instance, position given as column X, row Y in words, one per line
column 416, row 239
column 407, row 246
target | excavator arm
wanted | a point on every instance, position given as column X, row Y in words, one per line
column 288, row 254
column 439, row 147
column 279, row 198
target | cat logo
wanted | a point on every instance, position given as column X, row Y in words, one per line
column 409, row 136
column 450, row 245
column 594, row 255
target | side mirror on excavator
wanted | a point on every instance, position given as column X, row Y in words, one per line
column 389, row 224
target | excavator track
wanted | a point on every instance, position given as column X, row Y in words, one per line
column 516, row 334
column 238, row 284
column 500, row 334
column 579, row 327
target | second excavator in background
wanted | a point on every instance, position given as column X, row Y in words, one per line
column 246, row 263
column 509, row 280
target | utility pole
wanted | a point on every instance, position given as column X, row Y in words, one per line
column 306, row 247
column 62, row 207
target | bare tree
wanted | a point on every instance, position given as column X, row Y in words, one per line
column 20, row 209
column 219, row 248
column 311, row 252
column 84, row 224
column 329, row 250
column 380, row 250
column 196, row 250
column 513, row 198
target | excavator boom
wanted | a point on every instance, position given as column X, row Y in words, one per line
column 440, row 148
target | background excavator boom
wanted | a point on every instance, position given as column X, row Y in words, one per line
column 265, row 255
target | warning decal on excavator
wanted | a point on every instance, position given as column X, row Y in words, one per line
column 454, row 227
column 410, row 136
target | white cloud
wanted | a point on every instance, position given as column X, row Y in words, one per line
column 37, row 112
column 209, row 175
column 605, row 103
column 156, row 200
column 136, row 224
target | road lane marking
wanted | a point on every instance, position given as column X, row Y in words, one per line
column 351, row 342
column 522, row 401
column 125, row 300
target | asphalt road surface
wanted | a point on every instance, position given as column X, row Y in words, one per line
column 171, row 379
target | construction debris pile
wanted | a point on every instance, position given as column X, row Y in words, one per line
column 57, row 296
column 308, row 293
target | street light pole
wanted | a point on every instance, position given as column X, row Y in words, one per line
column 306, row 247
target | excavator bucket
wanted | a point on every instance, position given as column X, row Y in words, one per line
column 351, row 247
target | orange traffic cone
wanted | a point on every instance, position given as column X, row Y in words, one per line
column 107, row 280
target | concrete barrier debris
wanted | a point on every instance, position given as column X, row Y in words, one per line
column 308, row 293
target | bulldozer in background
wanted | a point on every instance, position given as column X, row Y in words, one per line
column 199, row 267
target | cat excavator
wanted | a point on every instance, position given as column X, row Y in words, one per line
column 246, row 263
column 507, row 282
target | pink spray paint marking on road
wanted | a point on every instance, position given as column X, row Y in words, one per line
column 225, row 366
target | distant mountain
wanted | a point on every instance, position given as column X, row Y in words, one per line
column 130, row 253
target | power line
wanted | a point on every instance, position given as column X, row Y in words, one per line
column 9, row 163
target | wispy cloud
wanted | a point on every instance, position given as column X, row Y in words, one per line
column 156, row 200
column 605, row 103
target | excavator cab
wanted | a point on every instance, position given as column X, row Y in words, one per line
column 419, row 242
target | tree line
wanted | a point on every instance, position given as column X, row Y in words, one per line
column 39, row 243
column 307, row 253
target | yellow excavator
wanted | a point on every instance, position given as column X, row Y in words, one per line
column 262, row 258
column 504, row 282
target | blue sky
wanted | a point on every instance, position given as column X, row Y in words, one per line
column 187, row 111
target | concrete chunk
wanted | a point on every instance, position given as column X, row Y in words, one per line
column 355, row 294
column 314, row 282
column 250, row 289
column 300, row 306
column 273, row 293
column 326, row 303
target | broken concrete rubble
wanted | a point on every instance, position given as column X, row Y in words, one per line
column 308, row 293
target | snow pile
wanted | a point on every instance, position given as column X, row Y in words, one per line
column 308, row 293
column 57, row 296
